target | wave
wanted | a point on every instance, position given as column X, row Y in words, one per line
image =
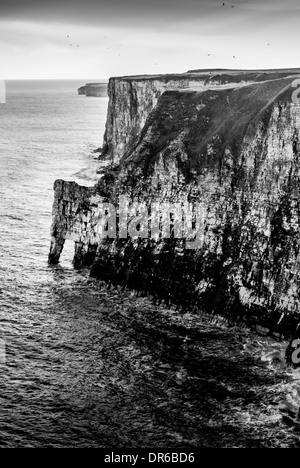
column 14, row 218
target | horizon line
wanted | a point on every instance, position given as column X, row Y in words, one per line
column 55, row 79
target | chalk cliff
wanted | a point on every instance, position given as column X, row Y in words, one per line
column 93, row 90
column 229, row 143
column 132, row 99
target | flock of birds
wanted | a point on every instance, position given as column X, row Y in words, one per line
column 105, row 37
column 107, row 48
column 71, row 45
column 232, row 6
column 119, row 54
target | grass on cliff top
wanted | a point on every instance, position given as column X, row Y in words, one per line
column 225, row 75
column 221, row 118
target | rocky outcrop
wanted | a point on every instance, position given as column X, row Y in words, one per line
column 233, row 153
column 74, row 218
column 93, row 90
column 132, row 99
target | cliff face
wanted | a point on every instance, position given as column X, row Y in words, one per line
column 72, row 219
column 93, row 90
column 233, row 152
column 132, row 99
column 130, row 103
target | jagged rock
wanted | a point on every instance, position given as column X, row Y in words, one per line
column 73, row 219
column 232, row 145
column 132, row 99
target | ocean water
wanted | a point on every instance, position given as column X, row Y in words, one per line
column 47, row 132
column 80, row 365
column 85, row 366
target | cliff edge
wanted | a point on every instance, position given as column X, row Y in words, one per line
column 217, row 155
column 132, row 99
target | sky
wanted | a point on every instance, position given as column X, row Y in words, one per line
column 72, row 39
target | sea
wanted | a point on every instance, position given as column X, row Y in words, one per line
column 86, row 366
column 47, row 132
column 81, row 365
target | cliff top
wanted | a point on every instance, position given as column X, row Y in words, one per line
column 220, row 74
column 246, row 71
column 218, row 119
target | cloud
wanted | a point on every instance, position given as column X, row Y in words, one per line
column 181, row 16
column 157, row 15
column 119, row 37
column 133, row 13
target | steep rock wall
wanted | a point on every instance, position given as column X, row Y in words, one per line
column 235, row 152
column 132, row 99
column 75, row 217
